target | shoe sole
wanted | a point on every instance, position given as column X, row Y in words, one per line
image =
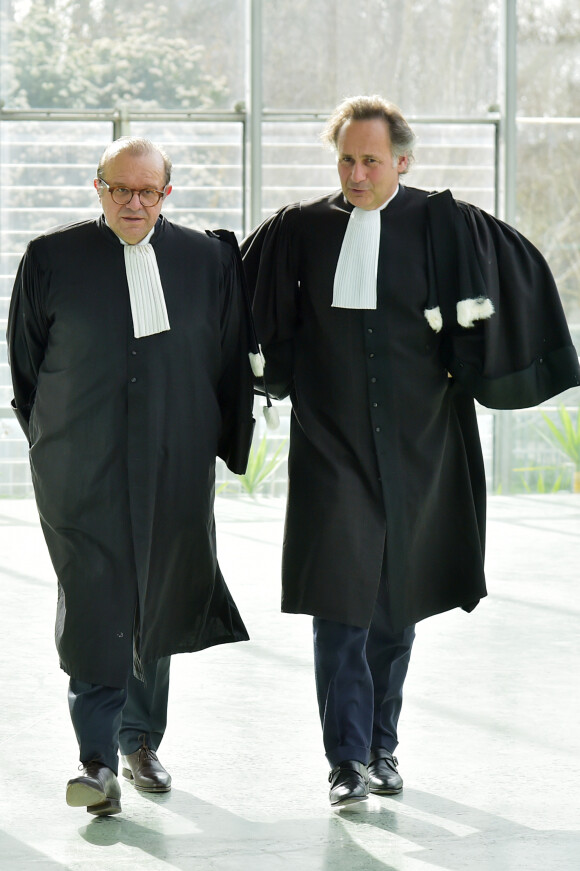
column 346, row 801
column 128, row 775
column 107, row 808
column 386, row 791
column 95, row 801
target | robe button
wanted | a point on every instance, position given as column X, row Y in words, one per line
column 371, row 356
column 133, row 380
column 369, row 330
column 377, row 429
column 134, row 353
column 375, row 404
column 373, row 380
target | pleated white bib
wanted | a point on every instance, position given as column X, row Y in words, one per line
column 146, row 296
column 355, row 279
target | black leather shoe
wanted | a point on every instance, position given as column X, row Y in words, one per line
column 384, row 779
column 145, row 771
column 349, row 782
column 97, row 789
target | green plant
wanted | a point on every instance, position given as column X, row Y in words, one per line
column 544, row 483
column 261, row 466
column 566, row 438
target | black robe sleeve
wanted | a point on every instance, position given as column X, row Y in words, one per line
column 27, row 335
column 271, row 256
column 522, row 353
column 235, row 389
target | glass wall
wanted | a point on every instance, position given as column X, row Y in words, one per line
column 101, row 54
column 429, row 58
column 72, row 60
column 460, row 156
column 208, row 171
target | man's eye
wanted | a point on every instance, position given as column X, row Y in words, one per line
column 122, row 191
column 149, row 192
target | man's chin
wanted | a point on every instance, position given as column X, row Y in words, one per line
column 133, row 232
column 358, row 198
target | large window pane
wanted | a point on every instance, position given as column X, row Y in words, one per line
column 85, row 55
column 429, row 58
column 461, row 157
column 207, row 171
column 548, row 200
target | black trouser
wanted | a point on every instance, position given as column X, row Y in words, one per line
column 359, row 683
column 107, row 719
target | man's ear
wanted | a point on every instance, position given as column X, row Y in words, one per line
column 168, row 190
column 401, row 164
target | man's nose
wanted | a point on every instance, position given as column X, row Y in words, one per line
column 358, row 172
column 134, row 202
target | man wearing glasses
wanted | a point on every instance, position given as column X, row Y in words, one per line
column 128, row 343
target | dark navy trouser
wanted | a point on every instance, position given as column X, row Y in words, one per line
column 359, row 683
column 107, row 719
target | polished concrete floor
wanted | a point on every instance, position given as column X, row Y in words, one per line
column 490, row 735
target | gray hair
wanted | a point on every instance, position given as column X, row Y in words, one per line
column 365, row 109
column 137, row 146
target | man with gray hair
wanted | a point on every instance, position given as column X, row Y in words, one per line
column 383, row 312
column 128, row 342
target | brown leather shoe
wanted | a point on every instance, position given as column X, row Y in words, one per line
column 145, row 771
column 97, row 789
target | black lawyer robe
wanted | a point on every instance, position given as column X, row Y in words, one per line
column 123, row 437
column 385, row 457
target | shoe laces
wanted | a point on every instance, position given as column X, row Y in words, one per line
column 145, row 752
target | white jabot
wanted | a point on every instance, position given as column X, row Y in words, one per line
column 146, row 295
column 355, row 279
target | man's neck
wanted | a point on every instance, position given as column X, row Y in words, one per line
column 142, row 241
column 389, row 199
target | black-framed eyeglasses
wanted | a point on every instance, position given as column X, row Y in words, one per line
column 122, row 195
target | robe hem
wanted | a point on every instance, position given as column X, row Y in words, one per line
column 411, row 620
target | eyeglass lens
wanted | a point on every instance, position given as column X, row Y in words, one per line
column 122, row 196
